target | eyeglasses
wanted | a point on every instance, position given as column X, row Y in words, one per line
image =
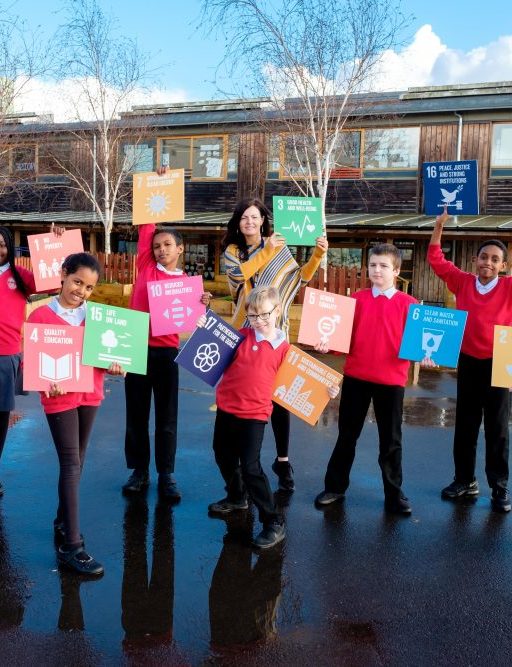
column 264, row 317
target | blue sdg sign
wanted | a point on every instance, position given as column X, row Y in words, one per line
column 210, row 349
column 434, row 333
column 451, row 184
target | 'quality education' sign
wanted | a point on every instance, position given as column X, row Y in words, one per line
column 298, row 219
column 114, row 334
column 451, row 184
column 52, row 355
column 434, row 333
column 175, row 304
column 210, row 349
column 327, row 318
column 301, row 385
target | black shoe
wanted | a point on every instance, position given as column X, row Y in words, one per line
column 272, row 534
column 167, row 487
column 398, row 505
column 328, row 497
column 137, row 482
column 284, row 471
column 78, row 561
column 500, row 501
column 458, row 489
column 226, row 506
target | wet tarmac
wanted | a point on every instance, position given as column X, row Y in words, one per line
column 350, row 586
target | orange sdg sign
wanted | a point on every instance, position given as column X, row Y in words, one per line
column 158, row 198
column 502, row 357
column 301, row 385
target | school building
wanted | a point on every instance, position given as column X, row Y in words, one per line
column 375, row 193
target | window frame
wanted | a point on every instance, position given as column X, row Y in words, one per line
column 193, row 138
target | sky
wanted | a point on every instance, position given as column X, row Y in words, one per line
column 448, row 41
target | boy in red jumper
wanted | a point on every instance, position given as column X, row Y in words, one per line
column 244, row 405
column 488, row 300
column 373, row 372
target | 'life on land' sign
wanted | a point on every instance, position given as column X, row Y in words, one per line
column 451, row 184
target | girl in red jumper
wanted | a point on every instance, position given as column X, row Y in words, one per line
column 71, row 415
column 16, row 286
column 158, row 254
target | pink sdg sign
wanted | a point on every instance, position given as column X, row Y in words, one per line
column 47, row 252
column 52, row 354
column 175, row 304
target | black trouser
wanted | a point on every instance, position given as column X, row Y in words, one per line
column 476, row 398
column 237, row 447
column 162, row 381
column 4, row 425
column 355, row 401
column 280, row 421
column 70, row 431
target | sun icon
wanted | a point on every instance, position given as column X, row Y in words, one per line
column 157, row 203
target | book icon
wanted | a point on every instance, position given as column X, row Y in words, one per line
column 55, row 369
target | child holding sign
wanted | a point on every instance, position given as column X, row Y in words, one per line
column 256, row 257
column 488, row 300
column 373, row 372
column 16, row 286
column 71, row 415
column 158, row 253
column 244, row 404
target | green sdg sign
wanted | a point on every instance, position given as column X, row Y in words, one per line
column 298, row 219
column 115, row 334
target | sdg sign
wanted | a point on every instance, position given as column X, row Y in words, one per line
column 451, row 184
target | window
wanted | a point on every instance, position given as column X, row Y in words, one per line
column 347, row 150
column 52, row 159
column 199, row 260
column 391, row 149
column 139, row 156
column 501, row 152
column 202, row 157
column 299, row 155
column 23, row 161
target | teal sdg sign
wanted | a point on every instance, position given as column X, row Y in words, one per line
column 433, row 333
column 115, row 334
column 298, row 219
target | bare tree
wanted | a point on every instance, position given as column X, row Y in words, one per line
column 23, row 57
column 310, row 59
column 107, row 69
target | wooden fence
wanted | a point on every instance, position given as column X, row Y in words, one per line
column 115, row 267
column 337, row 279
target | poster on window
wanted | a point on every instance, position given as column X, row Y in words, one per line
column 157, row 198
column 52, row 355
column 47, row 252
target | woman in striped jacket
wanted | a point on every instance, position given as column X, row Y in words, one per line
column 254, row 256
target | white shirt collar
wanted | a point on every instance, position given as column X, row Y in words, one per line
column 5, row 267
column 390, row 292
column 484, row 289
column 172, row 272
column 73, row 316
column 280, row 337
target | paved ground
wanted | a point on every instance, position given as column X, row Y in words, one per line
column 350, row 586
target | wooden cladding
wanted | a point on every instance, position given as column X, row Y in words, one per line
column 252, row 165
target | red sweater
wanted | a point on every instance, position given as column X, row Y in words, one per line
column 376, row 336
column 13, row 310
column 247, row 385
column 484, row 310
column 147, row 272
column 73, row 399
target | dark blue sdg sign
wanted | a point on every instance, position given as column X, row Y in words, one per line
column 433, row 333
column 451, row 184
column 210, row 349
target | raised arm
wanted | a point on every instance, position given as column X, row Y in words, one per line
column 437, row 232
column 310, row 267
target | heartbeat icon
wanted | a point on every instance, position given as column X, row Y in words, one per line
column 299, row 229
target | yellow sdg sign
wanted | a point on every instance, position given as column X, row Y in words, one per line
column 158, row 198
column 502, row 357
